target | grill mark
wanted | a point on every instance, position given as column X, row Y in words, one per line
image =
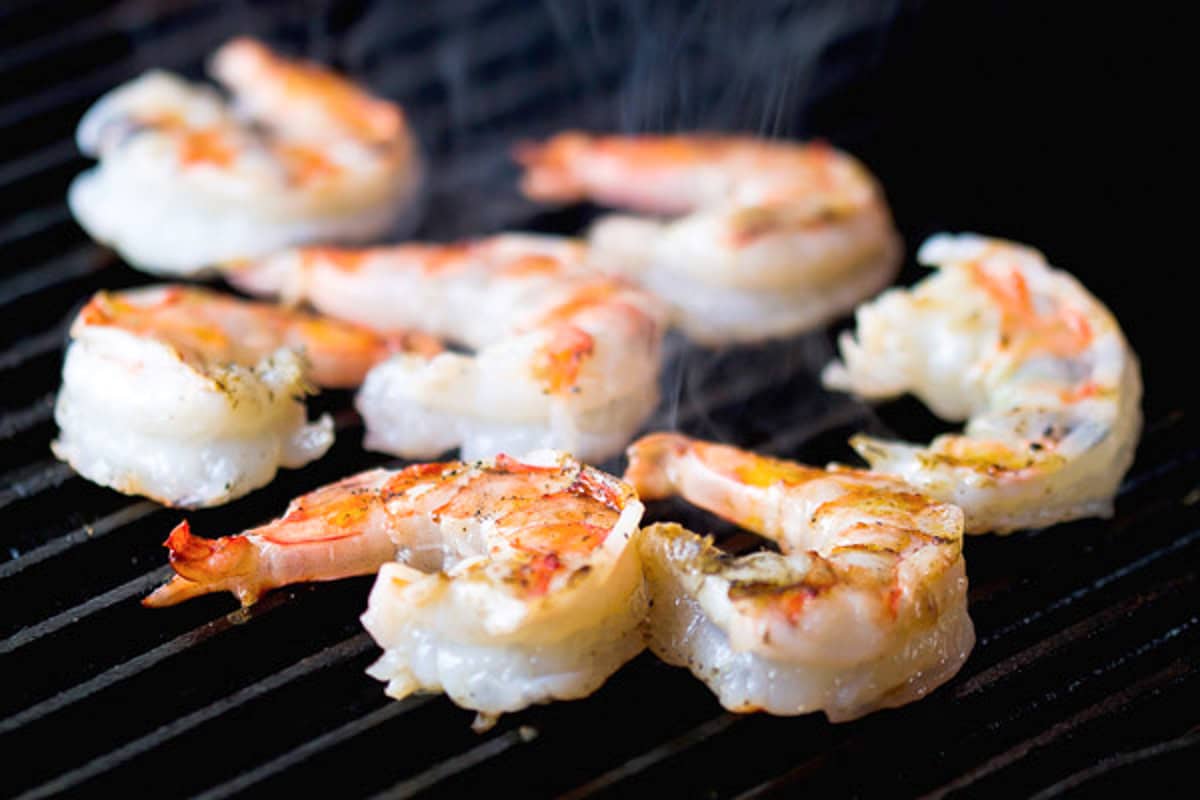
column 323, row 659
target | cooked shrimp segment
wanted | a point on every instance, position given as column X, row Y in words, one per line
column 1037, row 366
column 187, row 180
column 769, row 239
column 563, row 357
column 193, row 398
column 503, row 583
column 865, row 608
column 337, row 531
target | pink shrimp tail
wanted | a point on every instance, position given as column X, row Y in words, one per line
column 550, row 169
column 651, row 471
column 207, row 565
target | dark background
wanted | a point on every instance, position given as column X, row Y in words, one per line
column 1055, row 124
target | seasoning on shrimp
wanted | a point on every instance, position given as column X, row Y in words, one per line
column 775, row 237
column 193, row 398
column 1036, row 365
column 563, row 357
column 187, row 181
column 865, row 608
column 502, row 583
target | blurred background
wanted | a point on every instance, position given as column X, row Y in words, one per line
column 1049, row 123
column 1027, row 120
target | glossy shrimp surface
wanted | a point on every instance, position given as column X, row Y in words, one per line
column 1037, row 366
column 864, row 608
column 767, row 238
column 562, row 357
column 193, row 398
column 187, row 180
column 501, row 583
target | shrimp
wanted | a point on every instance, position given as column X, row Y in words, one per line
column 502, row 583
column 564, row 357
column 864, row 609
column 1037, row 366
column 193, row 398
column 775, row 238
column 187, row 181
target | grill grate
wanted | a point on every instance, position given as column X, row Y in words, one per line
column 1088, row 635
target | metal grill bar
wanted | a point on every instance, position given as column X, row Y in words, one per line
column 39, row 161
column 30, row 222
column 317, row 745
column 431, row 777
column 33, row 346
column 84, row 533
column 1113, row 617
column 1116, row 762
column 663, row 752
column 140, row 663
column 333, row 654
column 1110, row 705
column 77, row 263
column 138, row 586
column 23, row 419
column 27, row 482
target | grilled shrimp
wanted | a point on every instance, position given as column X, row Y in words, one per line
column 864, row 609
column 1036, row 365
column 502, row 583
column 564, row 357
column 186, row 180
column 193, row 398
column 775, row 238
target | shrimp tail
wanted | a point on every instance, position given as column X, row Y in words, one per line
column 204, row 565
column 651, row 465
column 549, row 171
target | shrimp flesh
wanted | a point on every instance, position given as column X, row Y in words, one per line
column 187, row 181
column 193, row 398
column 563, row 357
column 775, row 238
column 1037, row 366
column 864, row 609
column 502, row 583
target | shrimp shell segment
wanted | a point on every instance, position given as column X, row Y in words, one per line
column 193, row 398
column 186, row 180
column 765, row 239
column 1039, row 369
column 502, row 583
column 562, row 357
column 864, row 608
